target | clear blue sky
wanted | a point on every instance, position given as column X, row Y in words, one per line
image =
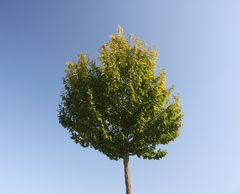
column 199, row 46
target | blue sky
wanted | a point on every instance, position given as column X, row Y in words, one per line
column 198, row 44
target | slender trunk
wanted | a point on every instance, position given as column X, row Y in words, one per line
column 126, row 174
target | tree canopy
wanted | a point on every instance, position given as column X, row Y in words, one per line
column 120, row 106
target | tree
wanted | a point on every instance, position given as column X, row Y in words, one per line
column 120, row 107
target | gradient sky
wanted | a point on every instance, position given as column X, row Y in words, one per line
column 199, row 46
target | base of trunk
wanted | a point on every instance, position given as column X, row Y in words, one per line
column 127, row 174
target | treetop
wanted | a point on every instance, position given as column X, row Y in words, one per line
column 120, row 106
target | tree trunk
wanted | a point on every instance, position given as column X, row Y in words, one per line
column 126, row 174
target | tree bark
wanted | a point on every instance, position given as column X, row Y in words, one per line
column 126, row 174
